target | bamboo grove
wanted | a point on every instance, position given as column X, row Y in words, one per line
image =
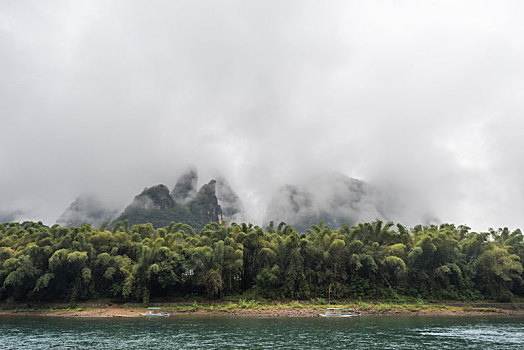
column 366, row 261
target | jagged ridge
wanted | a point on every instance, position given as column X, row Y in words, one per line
column 184, row 204
column 159, row 206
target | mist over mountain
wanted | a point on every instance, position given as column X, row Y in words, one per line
column 186, row 186
column 332, row 197
column 10, row 216
column 422, row 100
column 232, row 206
column 335, row 199
column 86, row 209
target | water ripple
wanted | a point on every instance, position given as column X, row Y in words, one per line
column 267, row 333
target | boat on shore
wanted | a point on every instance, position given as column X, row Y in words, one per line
column 151, row 312
column 338, row 312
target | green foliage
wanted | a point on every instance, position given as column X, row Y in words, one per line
column 369, row 260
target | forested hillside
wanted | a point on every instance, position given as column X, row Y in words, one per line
column 369, row 260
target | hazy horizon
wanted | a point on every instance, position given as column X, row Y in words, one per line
column 108, row 97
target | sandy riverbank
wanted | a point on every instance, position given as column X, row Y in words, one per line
column 269, row 310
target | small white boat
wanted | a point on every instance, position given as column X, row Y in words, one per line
column 337, row 312
column 150, row 313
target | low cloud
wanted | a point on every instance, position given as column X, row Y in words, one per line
column 109, row 98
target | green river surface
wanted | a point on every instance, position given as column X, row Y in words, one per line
column 229, row 332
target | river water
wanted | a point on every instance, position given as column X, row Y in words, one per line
column 219, row 332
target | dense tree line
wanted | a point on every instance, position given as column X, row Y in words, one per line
column 369, row 260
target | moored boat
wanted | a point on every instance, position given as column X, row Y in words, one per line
column 150, row 313
column 338, row 312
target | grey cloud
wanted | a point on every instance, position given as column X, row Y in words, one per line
column 111, row 97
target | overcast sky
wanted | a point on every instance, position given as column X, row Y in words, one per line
column 108, row 97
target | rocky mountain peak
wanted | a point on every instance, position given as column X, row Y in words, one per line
column 186, row 186
column 156, row 197
column 208, row 190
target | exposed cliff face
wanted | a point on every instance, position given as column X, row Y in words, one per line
column 205, row 203
column 86, row 209
column 333, row 198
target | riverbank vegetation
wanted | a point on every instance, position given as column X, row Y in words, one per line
column 368, row 261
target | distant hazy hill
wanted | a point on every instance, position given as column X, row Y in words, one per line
column 333, row 198
column 86, row 209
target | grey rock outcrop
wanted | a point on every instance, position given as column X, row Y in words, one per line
column 206, row 202
column 156, row 197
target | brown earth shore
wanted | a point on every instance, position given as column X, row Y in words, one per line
column 97, row 310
